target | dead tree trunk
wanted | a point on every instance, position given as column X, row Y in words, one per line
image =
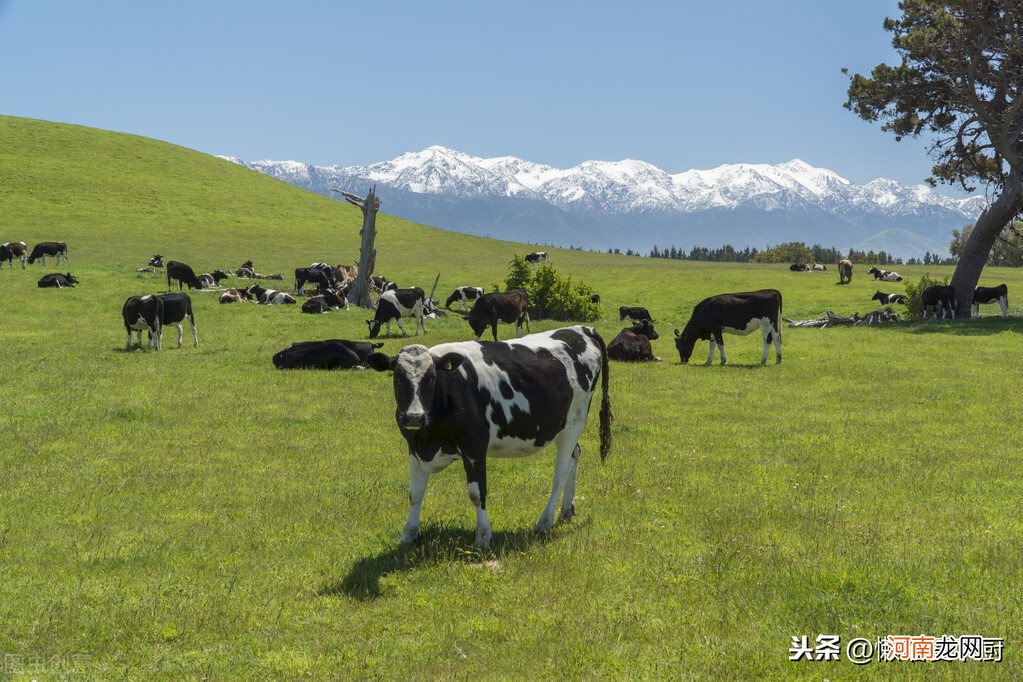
column 978, row 247
column 359, row 293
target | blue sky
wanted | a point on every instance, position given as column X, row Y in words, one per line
column 679, row 84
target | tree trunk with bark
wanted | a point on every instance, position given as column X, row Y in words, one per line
column 978, row 247
column 359, row 293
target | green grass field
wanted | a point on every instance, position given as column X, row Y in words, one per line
column 196, row 513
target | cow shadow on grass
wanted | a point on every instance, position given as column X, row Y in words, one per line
column 437, row 544
column 983, row 326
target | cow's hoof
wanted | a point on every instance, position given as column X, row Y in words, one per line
column 483, row 541
column 543, row 526
column 567, row 513
column 409, row 536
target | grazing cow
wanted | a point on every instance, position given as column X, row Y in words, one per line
column 211, row 280
column 462, row 295
column 176, row 307
column 57, row 280
column 504, row 306
column 885, row 275
column 469, row 401
column 235, row 296
column 799, row 267
column 325, row 303
column 888, row 299
column 270, row 296
column 633, row 345
column 396, row 304
column 378, row 283
column 183, row 274
column 936, row 296
column 329, row 354
column 323, row 278
column 11, row 250
column 819, row 266
column 984, row 295
column 156, row 261
column 635, row 314
column 143, row 313
column 537, row 257
column 43, row 249
column 741, row 313
column 845, row 268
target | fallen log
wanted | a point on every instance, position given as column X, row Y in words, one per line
column 830, row 319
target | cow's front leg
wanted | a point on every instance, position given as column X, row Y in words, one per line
column 418, row 478
column 476, row 486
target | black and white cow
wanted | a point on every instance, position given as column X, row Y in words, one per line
column 939, row 296
column 246, row 270
column 819, row 266
column 183, row 274
column 235, row 296
column 633, row 344
column 329, row 354
column 799, row 267
column 634, row 314
column 396, row 304
column 885, row 275
column 888, row 299
column 463, row 295
column 176, row 307
column 211, row 280
column 57, row 280
column 470, row 401
column 985, row 295
column 503, row 306
column 741, row 313
column 382, row 284
column 11, row 250
column 325, row 303
column 43, row 249
column 143, row 313
column 270, row 296
column 156, row 261
column 537, row 257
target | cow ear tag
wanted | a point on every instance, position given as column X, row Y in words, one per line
column 450, row 362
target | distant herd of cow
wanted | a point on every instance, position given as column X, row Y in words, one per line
column 934, row 298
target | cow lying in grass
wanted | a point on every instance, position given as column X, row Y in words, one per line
column 236, row 296
column 329, row 354
column 633, row 344
column 270, row 296
column 57, row 280
column 888, row 299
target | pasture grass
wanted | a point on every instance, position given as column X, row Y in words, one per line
column 197, row 513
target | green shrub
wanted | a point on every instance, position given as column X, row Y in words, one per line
column 551, row 296
column 915, row 293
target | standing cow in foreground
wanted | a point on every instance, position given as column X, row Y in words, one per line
column 469, row 401
column 741, row 313
column 11, row 250
column 985, row 295
column 43, row 249
column 845, row 268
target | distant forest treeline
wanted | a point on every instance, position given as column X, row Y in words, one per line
column 788, row 252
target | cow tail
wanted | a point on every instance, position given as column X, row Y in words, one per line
column 606, row 418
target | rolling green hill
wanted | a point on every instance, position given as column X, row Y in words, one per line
column 197, row 513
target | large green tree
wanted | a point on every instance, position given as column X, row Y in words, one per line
column 960, row 81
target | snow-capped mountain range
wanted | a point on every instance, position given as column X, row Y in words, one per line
column 634, row 204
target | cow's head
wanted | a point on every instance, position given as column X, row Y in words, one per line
column 374, row 328
column 457, row 295
column 71, row 279
column 684, row 342
column 219, row 275
column 478, row 327
column 646, row 328
column 878, row 296
column 415, row 381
